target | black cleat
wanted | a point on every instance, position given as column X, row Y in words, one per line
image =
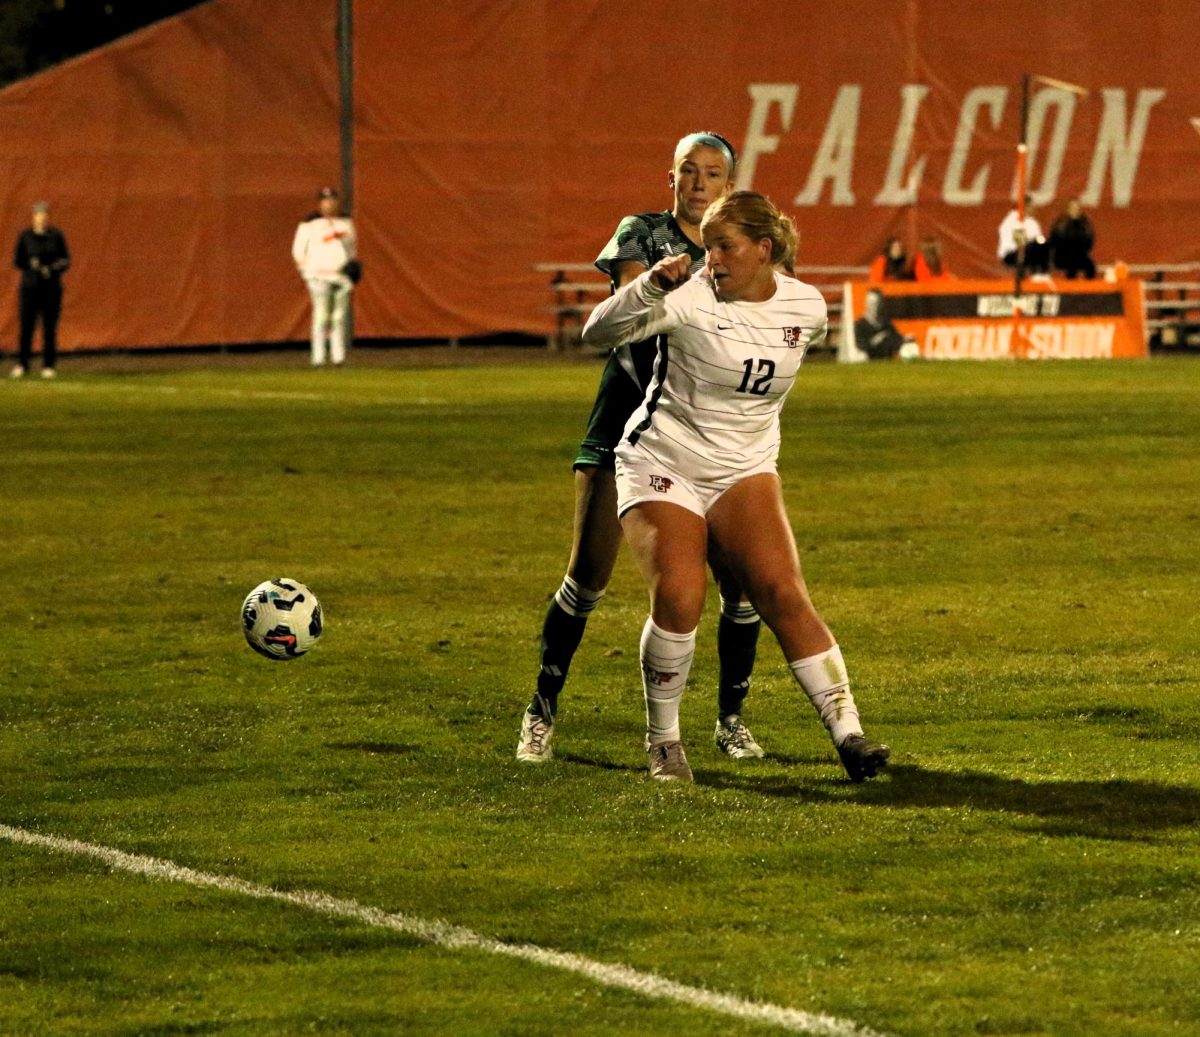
column 863, row 758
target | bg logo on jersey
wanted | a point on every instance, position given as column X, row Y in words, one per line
column 791, row 337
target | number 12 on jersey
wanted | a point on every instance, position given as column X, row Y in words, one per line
column 762, row 384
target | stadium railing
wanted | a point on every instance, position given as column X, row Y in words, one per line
column 1172, row 303
column 1172, row 300
column 577, row 288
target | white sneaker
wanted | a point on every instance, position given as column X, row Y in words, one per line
column 734, row 739
column 534, row 744
column 49, row 372
column 17, row 372
column 668, row 762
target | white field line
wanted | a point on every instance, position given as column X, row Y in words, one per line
column 171, row 390
column 444, row 934
column 249, row 394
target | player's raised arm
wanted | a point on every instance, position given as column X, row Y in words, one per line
column 638, row 311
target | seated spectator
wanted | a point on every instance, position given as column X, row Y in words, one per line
column 929, row 265
column 1071, row 239
column 1022, row 242
column 876, row 335
column 891, row 264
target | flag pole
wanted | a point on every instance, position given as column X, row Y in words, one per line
column 345, row 60
column 345, row 56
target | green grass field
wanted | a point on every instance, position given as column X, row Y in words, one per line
column 1007, row 554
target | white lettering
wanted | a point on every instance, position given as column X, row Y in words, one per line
column 1123, row 151
column 953, row 192
column 835, row 156
column 974, row 341
column 1032, row 304
column 758, row 141
column 899, row 189
column 1070, row 341
column 1118, row 145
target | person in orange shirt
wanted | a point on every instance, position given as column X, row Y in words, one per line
column 929, row 265
column 891, row 264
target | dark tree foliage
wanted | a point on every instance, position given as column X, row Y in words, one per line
column 37, row 34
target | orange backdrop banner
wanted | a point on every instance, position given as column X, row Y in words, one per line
column 987, row 320
column 494, row 136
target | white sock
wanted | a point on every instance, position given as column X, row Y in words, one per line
column 666, row 660
column 824, row 680
column 575, row 600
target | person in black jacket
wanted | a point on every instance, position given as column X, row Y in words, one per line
column 876, row 335
column 41, row 255
column 1071, row 240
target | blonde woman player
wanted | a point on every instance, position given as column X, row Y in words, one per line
column 697, row 463
column 701, row 171
column 322, row 247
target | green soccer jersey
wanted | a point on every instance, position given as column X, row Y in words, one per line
column 644, row 238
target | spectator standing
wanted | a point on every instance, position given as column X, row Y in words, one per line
column 1071, row 239
column 891, row 264
column 324, row 249
column 42, row 257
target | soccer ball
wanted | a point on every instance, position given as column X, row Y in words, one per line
column 282, row 619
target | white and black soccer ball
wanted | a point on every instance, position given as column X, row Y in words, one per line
column 282, row 619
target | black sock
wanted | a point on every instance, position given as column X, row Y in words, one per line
column 561, row 634
column 737, row 644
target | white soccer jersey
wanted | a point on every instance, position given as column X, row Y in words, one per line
column 322, row 245
column 722, row 373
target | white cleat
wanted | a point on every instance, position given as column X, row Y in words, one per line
column 49, row 372
column 534, row 744
column 668, row 762
column 734, row 739
column 17, row 372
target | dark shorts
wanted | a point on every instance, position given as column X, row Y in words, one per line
column 616, row 399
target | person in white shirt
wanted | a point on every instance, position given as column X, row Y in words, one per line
column 697, row 463
column 324, row 250
column 1022, row 242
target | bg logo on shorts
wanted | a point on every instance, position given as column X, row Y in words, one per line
column 660, row 483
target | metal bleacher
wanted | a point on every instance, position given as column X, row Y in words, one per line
column 1172, row 303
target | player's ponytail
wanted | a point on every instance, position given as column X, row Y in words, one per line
column 756, row 216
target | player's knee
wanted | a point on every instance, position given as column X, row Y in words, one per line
column 778, row 599
column 678, row 603
column 589, row 577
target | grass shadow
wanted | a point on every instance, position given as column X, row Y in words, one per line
column 373, row 748
column 1114, row 809
column 604, row 765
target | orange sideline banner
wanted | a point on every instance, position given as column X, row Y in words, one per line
column 987, row 320
column 494, row 137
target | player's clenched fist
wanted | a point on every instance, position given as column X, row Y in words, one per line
column 670, row 272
